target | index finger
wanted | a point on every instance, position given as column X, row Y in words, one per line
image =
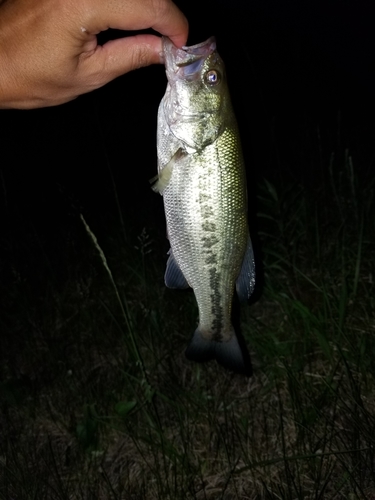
column 162, row 15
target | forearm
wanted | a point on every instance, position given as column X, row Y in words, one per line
column 15, row 92
column 7, row 97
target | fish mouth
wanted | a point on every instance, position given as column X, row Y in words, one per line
column 186, row 63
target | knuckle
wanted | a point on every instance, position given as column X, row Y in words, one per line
column 140, row 56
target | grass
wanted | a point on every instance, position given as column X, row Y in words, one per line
column 98, row 401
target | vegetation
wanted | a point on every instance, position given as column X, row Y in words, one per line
column 98, row 401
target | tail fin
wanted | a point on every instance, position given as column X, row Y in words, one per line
column 232, row 354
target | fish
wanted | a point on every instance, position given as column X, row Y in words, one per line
column 201, row 176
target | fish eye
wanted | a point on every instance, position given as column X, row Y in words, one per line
column 212, row 77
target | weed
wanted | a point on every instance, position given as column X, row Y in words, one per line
column 98, row 401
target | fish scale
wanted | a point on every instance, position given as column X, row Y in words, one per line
column 202, row 180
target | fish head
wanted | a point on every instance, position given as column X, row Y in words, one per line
column 196, row 101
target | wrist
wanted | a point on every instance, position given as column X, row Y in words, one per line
column 6, row 97
column 11, row 95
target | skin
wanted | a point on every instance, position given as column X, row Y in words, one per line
column 49, row 52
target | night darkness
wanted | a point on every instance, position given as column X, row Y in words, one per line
column 97, row 400
column 297, row 71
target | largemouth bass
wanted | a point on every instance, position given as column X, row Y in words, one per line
column 201, row 176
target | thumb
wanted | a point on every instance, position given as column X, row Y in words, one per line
column 117, row 57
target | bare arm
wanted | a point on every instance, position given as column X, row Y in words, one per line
column 49, row 52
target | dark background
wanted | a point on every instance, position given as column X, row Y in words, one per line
column 302, row 78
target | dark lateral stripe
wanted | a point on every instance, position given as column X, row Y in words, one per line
column 216, row 307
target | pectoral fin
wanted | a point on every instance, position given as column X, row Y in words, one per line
column 174, row 277
column 161, row 181
column 246, row 279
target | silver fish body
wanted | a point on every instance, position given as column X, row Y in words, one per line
column 201, row 176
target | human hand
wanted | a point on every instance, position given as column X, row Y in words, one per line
column 49, row 52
